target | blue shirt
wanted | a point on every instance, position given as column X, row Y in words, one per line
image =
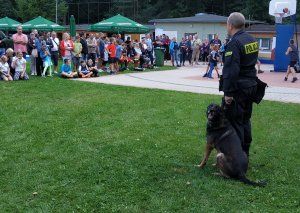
column 65, row 68
column 101, row 48
column 174, row 45
column 38, row 45
column 44, row 56
column 118, row 51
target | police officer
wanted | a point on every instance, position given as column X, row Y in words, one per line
column 239, row 78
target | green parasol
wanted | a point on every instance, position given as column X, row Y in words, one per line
column 42, row 24
column 119, row 24
column 72, row 26
column 8, row 24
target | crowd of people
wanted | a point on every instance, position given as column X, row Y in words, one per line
column 82, row 56
column 193, row 50
column 87, row 56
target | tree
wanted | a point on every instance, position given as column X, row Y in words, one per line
column 29, row 9
column 7, row 8
column 256, row 10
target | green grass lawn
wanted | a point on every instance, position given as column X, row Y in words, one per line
column 85, row 147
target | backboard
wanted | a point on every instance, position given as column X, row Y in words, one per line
column 282, row 8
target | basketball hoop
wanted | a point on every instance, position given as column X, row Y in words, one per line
column 282, row 9
column 278, row 18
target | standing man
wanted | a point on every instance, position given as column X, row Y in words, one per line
column 196, row 49
column 239, row 78
column 149, row 47
column 294, row 58
column 121, row 41
column 101, row 51
column 54, row 51
column 92, row 44
column 84, row 51
column 20, row 41
column 216, row 41
column 189, row 49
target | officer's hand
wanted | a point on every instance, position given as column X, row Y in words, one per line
column 228, row 100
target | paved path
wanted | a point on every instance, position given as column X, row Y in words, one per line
column 189, row 79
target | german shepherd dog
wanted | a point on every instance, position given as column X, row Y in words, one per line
column 232, row 161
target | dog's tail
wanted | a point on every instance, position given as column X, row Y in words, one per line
column 245, row 180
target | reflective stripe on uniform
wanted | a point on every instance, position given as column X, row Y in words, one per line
column 251, row 48
column 228, row 54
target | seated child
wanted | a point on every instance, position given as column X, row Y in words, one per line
column 92, row 68
column 66, row 70
column 19, row 63
column 83, row 70
column 10, row 57
column 4, row 69
column 47, row 63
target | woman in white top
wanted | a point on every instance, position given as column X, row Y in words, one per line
column 19, row 63
column 138, row 59
column 4, row 69
column 138, row 50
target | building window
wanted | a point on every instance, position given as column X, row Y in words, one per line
column 264, row 43
column 186, row 35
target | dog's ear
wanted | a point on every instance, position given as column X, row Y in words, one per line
column 216, row 108
column 209, row 108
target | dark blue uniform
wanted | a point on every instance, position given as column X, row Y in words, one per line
column 239, row 82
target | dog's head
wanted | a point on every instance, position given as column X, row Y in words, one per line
column 215, row 115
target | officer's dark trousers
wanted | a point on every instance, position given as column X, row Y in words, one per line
column 239, row 113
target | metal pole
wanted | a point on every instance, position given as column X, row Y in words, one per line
column 295, row 22
column 78, row 13
column 56, row 11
